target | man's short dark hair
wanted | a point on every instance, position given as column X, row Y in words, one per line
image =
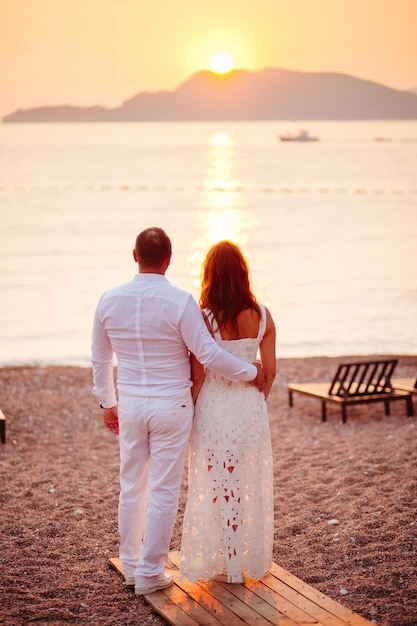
column 153, row 247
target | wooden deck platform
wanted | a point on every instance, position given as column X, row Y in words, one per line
column 280, row 599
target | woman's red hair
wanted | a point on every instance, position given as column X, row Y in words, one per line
column 225, row 284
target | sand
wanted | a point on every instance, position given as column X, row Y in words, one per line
column 345, row 501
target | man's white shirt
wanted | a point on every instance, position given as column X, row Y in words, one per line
column 151, row 326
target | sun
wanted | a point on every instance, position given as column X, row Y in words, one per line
column 221, row 63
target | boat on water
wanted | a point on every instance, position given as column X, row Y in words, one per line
column 303, row 135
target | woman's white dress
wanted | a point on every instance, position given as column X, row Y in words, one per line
column 229, row 517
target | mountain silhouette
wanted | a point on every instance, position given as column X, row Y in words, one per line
column 242, row 95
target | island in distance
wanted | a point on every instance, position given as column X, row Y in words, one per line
column 242, row 95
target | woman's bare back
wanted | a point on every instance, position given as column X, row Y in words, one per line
column 247, row 326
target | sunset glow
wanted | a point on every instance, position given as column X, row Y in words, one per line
column 221, row 63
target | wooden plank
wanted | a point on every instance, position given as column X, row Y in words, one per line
column 206, row 599
column 279, row 599
column 235, row 605
column 315, row 613
column 196, row 595
column 170, row 611
column 406, row 384
column 271, row 608
column 304, row 589
column 166, row 606
column 240, row 603
column 199, row 613
column 319, row 390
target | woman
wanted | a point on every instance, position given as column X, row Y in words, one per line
column 229, row 517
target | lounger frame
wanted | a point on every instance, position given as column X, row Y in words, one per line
column 356, row 383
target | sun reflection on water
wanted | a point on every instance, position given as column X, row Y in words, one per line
column 222, row 215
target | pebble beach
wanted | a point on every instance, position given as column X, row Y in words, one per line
column 345, row 500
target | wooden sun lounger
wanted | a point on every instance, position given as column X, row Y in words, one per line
column 357, row 383
column 406, row 384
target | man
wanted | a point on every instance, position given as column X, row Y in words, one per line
column 151, row 326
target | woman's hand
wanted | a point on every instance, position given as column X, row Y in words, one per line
column 259, row 381
column 111, row 419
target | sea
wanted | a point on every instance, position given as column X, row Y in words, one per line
column 329, row 227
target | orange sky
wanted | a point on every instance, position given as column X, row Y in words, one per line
column 90, row 52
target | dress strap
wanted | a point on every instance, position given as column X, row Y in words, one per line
column 262, row 323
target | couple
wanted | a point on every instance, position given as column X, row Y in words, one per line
column 153, row 328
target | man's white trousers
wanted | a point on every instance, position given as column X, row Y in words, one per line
column 153, row 438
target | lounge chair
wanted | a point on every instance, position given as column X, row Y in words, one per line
column 357, row 383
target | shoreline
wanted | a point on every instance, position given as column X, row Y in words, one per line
column 60, row 489
column 85, row 363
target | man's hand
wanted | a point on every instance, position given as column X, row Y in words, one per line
column 259, row 381
column 111, row 419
